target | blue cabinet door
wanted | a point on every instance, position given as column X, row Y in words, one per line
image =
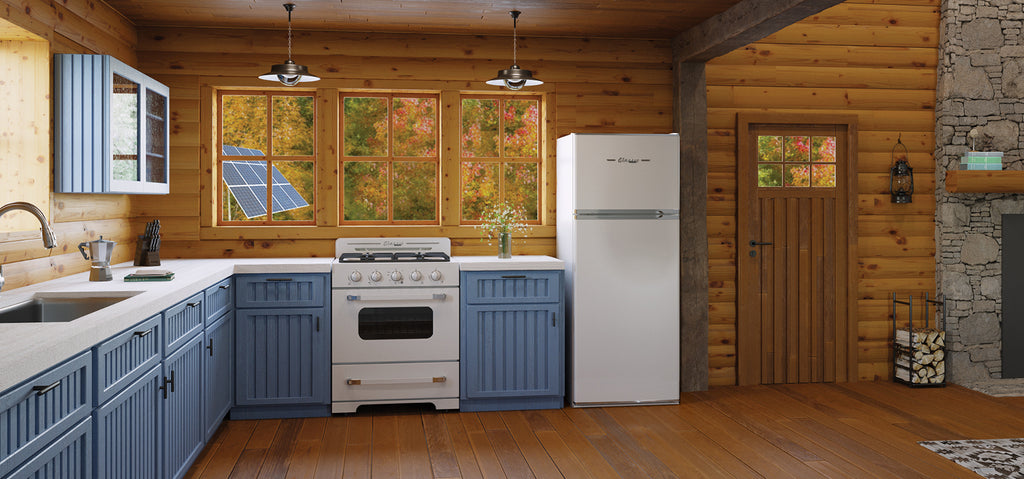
column 128, row 430
column 511, row 350
column 219, row 377
column 183, row 405
column 183, row 320
column 68, row 457
column 282, row 356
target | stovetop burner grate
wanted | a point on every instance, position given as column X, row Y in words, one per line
column 433, row 256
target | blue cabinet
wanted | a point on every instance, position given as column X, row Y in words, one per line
column 181, row 390
column 129, row 431
column 282, row 346
column 182, row 321
column 111, row 130
column 36, row 413
column 218, row 372
column 67, row 457
column 512, row 340
column 218, row 300
column 123, row 358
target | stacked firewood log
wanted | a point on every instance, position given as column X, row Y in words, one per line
column 921, row 356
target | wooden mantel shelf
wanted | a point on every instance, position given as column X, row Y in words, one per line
column 980, row 181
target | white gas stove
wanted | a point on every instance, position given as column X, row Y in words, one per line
column 395, row 323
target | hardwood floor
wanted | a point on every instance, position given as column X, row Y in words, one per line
column 865, row 429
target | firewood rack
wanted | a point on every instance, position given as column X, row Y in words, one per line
column 919, row 349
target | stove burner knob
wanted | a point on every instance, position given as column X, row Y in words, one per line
column 435, row 275
column 416, row 275
column 376, row 276
column 396, row 276
column 355, row 276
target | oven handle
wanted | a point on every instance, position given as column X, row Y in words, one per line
column 371, row 382
column 398, row 297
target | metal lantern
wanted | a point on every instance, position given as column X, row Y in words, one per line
column 901, row 176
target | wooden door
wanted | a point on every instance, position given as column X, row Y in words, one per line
column 796, row 181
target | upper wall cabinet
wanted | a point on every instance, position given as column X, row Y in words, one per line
column 110, row 127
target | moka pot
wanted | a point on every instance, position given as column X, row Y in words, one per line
column 100, row 252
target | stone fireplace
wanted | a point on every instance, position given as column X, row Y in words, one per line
column 980, row 85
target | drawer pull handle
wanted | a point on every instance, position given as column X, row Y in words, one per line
column 225, row 286
column 192, row 305
column 318, row 324
column 370, row 382
column 210, row 347
column 513, row 276
column 41, row 390
column 279, row 279
column 143, row 334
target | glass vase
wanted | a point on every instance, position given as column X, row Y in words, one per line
column 505, row 245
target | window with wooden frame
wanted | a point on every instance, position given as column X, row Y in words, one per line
column 390, row 166
column 266, row 155
column 500, row 154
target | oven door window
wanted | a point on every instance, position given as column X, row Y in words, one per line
column 396, row 323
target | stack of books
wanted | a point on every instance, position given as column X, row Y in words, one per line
column 982, row 160
column 150, row 275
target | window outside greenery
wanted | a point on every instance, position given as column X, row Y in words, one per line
column 251, row 125
column 796, row 161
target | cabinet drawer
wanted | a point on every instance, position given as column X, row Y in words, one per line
column 125, row 357
column 280, row 290
column 493, row 287
column 37, row 412
column 68, row 457
column 219, row 299
column 182, row 321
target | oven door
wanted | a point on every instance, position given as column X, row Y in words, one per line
column 394, row 325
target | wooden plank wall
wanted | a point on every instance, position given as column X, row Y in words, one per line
column 72, row 26
column 873, row 58
column 596, row 85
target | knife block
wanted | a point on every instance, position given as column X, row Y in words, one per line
column 143, row 255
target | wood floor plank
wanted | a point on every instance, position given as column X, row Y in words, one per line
column 439, row 446
column 275, row 465
column 357, row 447
column 303, row 462
column 413, row 454
column 486, row 457
column 385, row 460
column 528, row 444
column 467, row 459
column 584, row 451
column 866, row 429
column 331, row 462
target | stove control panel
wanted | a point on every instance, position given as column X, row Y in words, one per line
column 356, row 275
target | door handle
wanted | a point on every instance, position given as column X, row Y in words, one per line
column 210, row 347
column 760, row 243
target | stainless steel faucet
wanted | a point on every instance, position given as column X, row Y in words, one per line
column 49, row 240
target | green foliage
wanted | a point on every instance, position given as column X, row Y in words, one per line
column 293, row 126
column 366, row 190
column 800, row 161
column 415, row 190
column 366, row 126
column 414, row 126
column 479, row 128
column 479, row 188
column 244, row 121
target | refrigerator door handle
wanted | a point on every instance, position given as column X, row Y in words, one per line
column 626, row 214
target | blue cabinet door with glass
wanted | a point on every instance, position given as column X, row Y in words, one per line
column 512, row 340
column 110, row 127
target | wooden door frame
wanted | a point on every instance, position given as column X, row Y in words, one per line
column 748, row 329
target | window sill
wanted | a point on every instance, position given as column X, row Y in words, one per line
column 262, row 232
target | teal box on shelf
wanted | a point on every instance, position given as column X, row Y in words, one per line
column 982, row 160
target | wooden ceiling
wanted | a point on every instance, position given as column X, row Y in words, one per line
column 572, row 18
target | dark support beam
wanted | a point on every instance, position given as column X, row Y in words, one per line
column 746, row 22
column 691, row 122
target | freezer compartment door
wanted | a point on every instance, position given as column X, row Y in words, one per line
column 626, row 172
column 625, row 312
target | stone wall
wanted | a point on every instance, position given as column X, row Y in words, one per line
column 980, row 85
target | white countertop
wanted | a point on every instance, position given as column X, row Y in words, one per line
column 493, row 263
column 27, row 349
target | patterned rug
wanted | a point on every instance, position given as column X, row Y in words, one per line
column 991, row 458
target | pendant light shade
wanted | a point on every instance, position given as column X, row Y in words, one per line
column 289, row 73
column 514, row 78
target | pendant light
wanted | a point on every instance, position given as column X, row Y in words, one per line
column 514, row 78
column 289, row 73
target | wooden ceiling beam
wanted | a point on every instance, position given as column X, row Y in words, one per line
column 744, row 23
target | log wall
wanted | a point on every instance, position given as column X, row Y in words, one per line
column 593, row 85
column 872, row 58
column 72, row 26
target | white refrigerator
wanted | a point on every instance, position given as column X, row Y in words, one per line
column 618, row 233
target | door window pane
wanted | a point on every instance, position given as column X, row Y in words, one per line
column 769, row 175
column 823, row 149
column 823, row 175
column 124, row 119
column 798, row 175
column 798, row 149
column 769, row 148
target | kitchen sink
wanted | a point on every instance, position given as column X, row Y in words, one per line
column 48, row 309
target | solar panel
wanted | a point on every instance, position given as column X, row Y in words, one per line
column 247, row 183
